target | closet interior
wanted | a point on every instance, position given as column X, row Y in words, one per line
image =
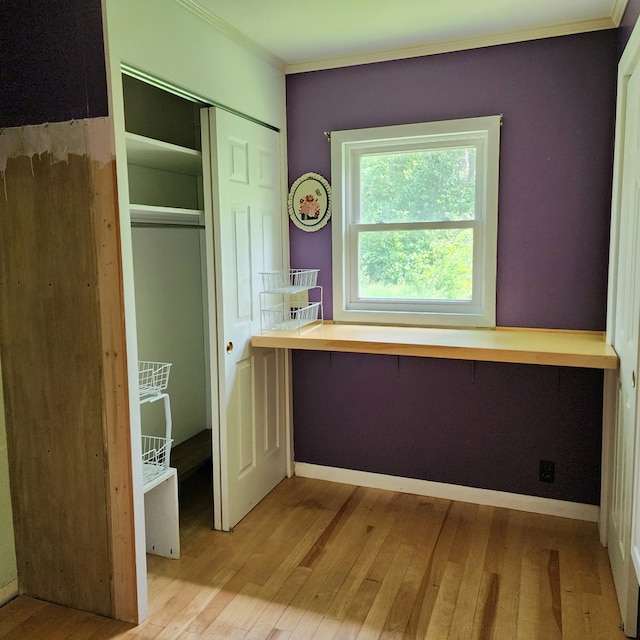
column 164, row 161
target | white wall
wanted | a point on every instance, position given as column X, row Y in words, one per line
column 8, row 568
column 168, row 269
column 162, row 38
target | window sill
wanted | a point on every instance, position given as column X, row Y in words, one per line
column 585, row 349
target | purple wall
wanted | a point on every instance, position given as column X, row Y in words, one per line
column 558, row 100
column 478, row 424
column 52, row 64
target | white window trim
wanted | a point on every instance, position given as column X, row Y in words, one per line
column 346, row 148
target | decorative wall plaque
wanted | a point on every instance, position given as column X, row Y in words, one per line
column 309, row 202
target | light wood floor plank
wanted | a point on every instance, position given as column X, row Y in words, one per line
column 277, row 605
column 148, row 631
column 528, row 620
column 470, row 606
column 379, row 611
column 446, row 601
column 550, row 613
column 506, row 620
column 317, row 560
column 378, row 525
column 357, row 612
column 436, row 550
column 344, row 554
column 404, row 616
column 216, row 605
column 274, row 564
column 17, row 611
column 401, row 506
column 328, row 628
column 315, row 594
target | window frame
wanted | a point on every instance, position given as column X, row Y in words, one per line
column 347, row 147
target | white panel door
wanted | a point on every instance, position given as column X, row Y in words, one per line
column 245, row 164
column 625, row 341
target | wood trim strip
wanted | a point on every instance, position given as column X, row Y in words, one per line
column 115, row 398
column 336, row 523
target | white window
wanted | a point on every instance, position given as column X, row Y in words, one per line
column 415, row 215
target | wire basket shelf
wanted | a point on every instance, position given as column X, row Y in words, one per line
column 155, row 457
column 282, row 317
column 289, row 280
column 153, row 377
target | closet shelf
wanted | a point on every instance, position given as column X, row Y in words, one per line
column 151, row 214
column 147, row 152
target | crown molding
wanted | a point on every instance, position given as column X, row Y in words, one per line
column 231, row 32
column 447, row 46
column 617, row 11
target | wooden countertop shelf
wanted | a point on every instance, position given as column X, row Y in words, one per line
column 527, row 346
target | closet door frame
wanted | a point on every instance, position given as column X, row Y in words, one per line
column 116, row 99
column 137, row 517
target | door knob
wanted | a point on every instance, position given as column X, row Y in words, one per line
column 633, row 379
column 230, row 349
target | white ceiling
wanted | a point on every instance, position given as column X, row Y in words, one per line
column 302, row 35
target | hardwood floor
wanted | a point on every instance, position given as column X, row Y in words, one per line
column 317, row 560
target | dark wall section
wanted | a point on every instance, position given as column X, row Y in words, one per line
column 52, row 64
column 483, row 425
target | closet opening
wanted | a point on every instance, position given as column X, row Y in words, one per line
column 174, row 303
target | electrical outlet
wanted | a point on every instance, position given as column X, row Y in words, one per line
column 547, row 471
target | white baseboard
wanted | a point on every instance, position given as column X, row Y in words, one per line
column 8, row 592
column 533, row 504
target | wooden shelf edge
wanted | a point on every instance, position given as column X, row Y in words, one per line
column 159, row 209
column 165, row 475
column 524, row 346
column 166, row 156
column 151, row 214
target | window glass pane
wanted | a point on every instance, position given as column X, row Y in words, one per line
column 418, row 186
column 416, row 265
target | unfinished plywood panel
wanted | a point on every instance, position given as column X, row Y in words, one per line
column 62, row 349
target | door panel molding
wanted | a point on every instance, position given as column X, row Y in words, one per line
column 251, row 424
